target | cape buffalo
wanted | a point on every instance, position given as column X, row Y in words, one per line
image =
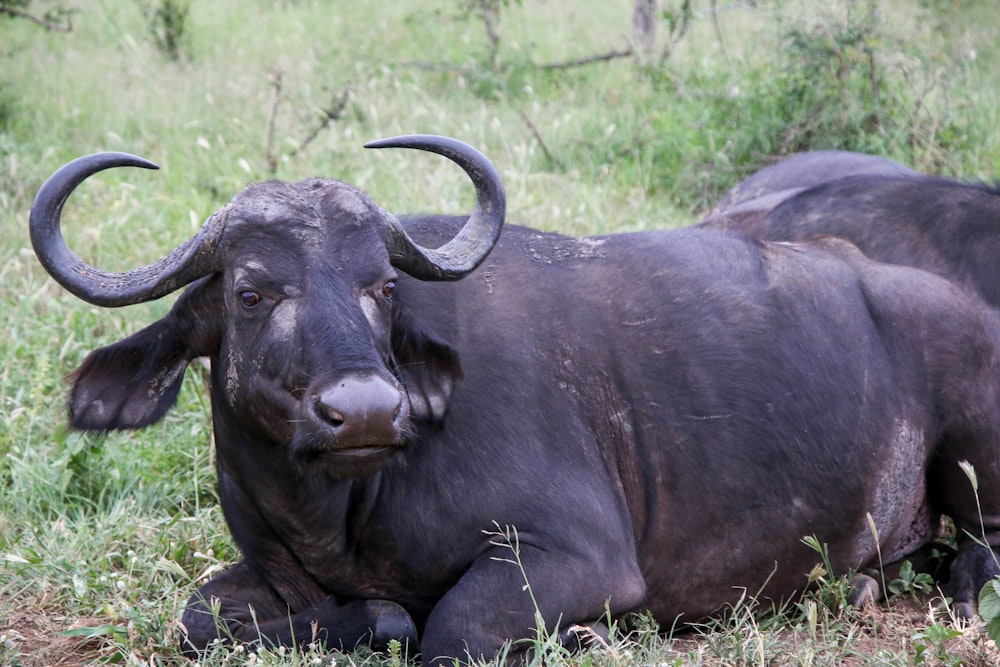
column 901, row 217
column 662, row 416
column 769, row 185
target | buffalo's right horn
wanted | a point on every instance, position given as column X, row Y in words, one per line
column 188, row 262
column 459, row 256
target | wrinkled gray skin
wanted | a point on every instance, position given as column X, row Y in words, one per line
column 766, row 188
column 663, row 416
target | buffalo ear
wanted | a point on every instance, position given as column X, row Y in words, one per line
column 427, row 365
column 134, row 382
column 129, row 384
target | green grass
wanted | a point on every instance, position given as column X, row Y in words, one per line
column 106, row 536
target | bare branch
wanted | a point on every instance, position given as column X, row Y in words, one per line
column 541, row 142
column 718, row 30
column 491, row 19
column 434, row 67
column 876, row 99
column 677, row 30
column 272, row 159
column 644, row 21
column 46, row 22
column 329, row 114
column 627, row 52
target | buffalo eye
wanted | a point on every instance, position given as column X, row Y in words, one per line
column 249, row 299
column 388, row 288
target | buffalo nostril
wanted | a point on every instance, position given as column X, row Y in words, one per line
column 328, row 414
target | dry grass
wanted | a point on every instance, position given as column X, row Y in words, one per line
column 37, row 628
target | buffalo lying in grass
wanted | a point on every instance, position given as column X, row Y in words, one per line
column 804, row 170
column 662, row 416
column 891, row 213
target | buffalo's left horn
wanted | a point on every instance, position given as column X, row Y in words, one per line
column 459, row 256
column 188, row 262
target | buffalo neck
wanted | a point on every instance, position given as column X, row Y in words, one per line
column 274, row 498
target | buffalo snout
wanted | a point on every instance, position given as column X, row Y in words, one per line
column 357, row 418
column 360, row 412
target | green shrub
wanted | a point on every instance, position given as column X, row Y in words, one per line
column 167, row 21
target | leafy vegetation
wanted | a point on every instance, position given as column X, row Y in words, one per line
column 103, row 536
column 911, row 582
column 167, row 24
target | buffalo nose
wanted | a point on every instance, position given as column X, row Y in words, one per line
column 360, row 411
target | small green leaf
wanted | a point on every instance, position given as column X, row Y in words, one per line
column 103, row 630
column 989, row 606
column 993, row 628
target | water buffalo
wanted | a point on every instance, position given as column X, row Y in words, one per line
column 763, row 190
column 893, row 215
column 662, row 416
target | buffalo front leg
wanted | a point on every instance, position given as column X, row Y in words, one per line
column 501, row 599
column 240, row 607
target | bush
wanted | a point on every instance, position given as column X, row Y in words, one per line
column 838, row 80
column 167, row 22
column 845, row 83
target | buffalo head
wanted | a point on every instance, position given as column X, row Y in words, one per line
column 292, row 296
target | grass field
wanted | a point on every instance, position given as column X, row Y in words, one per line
column 102, row 538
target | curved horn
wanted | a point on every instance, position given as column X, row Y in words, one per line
column 188, row 262
column 459, row 256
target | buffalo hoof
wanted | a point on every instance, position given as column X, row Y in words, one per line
column 865, row 591
column 965, row 612
column 392, row 623
column 974, row 566
column 581, row 637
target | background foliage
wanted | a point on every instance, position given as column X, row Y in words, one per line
column 103, row 537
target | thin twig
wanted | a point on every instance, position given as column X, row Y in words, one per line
column 272, row 159
column 718, row 31
column 434, row 67
column 677, row 32
column 46, row 23
column 329, row 114
column 627, row 52
column 541, row 142
column 491, row 14
column 876, row 100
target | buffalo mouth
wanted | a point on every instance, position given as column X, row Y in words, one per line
column 369, row 450
column 310, row 456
